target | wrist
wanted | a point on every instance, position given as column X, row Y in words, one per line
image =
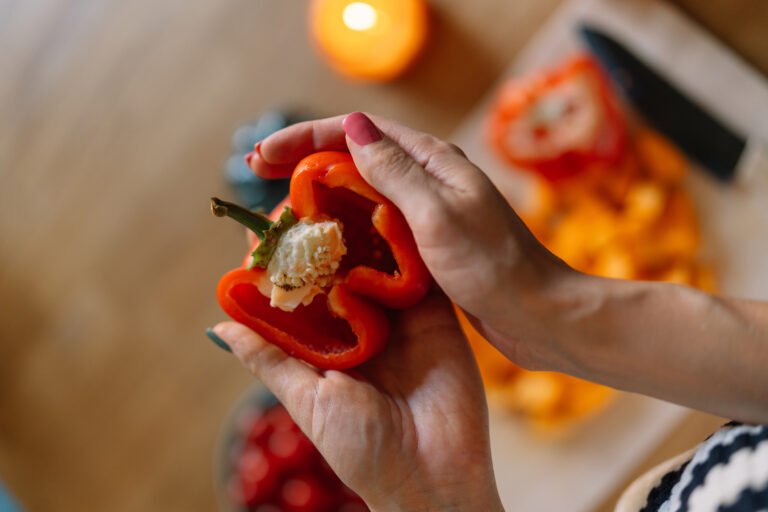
column 540, row 322
column 564, row 309
column 581, row 318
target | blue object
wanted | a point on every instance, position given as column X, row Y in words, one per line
column 268, row 123
column 254, row 192
column 217, row 340
column 6, row 503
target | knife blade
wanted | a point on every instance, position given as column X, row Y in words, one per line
column 715, row 146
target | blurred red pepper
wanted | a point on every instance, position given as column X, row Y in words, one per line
column 342, row 328
column 257, row 477
column 560, row 123
column 304, row 492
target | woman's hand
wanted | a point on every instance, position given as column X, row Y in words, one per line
column 663, row 340
column 474, row 244
column 408, row 430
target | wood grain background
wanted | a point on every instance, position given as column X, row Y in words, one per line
column 115, row 119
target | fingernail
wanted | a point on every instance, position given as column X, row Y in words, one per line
column 256, row 151
column 360, row 129
column 218, row 341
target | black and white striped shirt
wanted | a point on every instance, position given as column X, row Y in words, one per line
column 726, row 473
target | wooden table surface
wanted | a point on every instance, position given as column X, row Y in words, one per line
column 115, row 119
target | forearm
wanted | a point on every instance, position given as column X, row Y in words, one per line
column 668, row 341
column 663, row 340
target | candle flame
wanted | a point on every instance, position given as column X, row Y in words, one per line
column 359, row 16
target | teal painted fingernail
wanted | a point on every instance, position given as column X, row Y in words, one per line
column 218, row 341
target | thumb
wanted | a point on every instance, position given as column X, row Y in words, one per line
column 386, row 166
column 289, row 379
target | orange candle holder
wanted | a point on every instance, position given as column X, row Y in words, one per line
column 373, row 40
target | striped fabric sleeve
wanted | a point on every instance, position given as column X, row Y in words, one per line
column 727, row 473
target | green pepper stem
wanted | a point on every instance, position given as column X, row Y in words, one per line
column 256, row 222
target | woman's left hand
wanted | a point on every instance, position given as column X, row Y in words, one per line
column 407, row 430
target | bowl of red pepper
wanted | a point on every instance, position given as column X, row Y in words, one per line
column 265, row 463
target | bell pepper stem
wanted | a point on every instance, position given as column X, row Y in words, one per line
column 268, row 232
column 268, row 245
column 254, row 221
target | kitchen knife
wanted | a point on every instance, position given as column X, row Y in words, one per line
column 723, row 152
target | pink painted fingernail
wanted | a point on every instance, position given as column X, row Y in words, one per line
column 360, row 129
column 256, row 151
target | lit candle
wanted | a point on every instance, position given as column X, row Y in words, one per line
column 370, row 39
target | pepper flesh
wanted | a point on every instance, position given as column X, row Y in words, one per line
column 561, row 123
column 347, row 325
column 383, row 262
column 337, row 331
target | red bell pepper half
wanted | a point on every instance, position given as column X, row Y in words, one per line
column 346, row 325
column 383, row 262
column 561, row 123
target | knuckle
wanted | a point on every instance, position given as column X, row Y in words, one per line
column 253, row 361
column 394, row 157
column 456, row 149
column 435, row 146
column 389, row 161
column 476, row 190
column 260, row 359
column 440, row 155
column 423, row 145
column 326, row 393
column 442, row 147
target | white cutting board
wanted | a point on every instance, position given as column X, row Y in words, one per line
column 577, row 472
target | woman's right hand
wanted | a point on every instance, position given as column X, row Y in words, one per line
column 474, row 244
column 664, row 340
